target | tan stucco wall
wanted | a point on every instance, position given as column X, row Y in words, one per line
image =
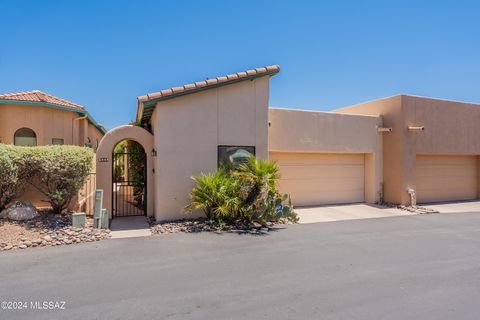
column 450, row 128
column 48, row 123
column 324, row 132
column 104, row 162
column 188, row 129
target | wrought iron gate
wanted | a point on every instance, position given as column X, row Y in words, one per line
column 129, row 184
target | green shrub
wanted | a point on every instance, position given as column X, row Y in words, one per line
column 61, row 171
column 15, row 170
column 8, row 179
column 217, row 194
column 247, row 193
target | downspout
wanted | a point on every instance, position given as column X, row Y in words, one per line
column 76, row 119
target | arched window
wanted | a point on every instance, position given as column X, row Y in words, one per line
column 25, row 137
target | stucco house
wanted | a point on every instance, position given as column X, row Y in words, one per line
column 35, row 118
column 392, row 149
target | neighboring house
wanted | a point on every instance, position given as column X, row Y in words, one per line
column 370, row 153
column 36, row 118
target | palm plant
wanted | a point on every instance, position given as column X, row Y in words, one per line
column 216, row 194
column 244, row 193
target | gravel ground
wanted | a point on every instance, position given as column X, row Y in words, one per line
column 413, row 209
column 205, row 225
column 46, row 230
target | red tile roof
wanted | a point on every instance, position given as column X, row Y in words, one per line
column 268, row 70
column 203, row 85
column 38, row 96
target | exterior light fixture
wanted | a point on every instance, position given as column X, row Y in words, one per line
column 383, row 129
column 414, row 128
column 154, row 152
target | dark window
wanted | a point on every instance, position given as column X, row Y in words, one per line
column 57, row 141
column 25, row 137
column 234, row 154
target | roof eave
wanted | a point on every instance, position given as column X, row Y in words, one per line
column 150, row 104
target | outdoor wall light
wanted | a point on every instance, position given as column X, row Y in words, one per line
column 413, row 128
column 383, row 129
column 154, row 152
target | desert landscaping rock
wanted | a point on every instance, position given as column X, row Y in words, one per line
column 409, row 208
column 46, row 230
column 19, row 211
column 205, row 225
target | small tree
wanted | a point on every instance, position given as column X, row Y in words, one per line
column 61, row 172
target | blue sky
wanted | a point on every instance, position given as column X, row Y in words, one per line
column 103, row 54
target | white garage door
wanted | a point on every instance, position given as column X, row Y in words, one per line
column 445, row 178
column 319, row 178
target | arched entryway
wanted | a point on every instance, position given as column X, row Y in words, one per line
column 120, row 140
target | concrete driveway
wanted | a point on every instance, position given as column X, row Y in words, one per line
column 346, row 212
column 407, row 267
column 452, row 207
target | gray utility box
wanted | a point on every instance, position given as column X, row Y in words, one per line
column 104, row 219
column 97, row 222
column 79, row 219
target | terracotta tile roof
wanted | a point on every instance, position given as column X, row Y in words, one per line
column 211, row 82
column 202, row 85
column 39, row 96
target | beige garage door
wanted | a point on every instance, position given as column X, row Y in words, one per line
column 445, row 178
column 319, row 178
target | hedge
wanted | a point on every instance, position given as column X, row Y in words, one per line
column 60, row 171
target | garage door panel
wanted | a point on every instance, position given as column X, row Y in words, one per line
column 446, row 178
column 438, row 183
column 316, row 159
column 442, row 160
column 324, row 171
column 329, row 197
column 316, row 178
column 322, row 185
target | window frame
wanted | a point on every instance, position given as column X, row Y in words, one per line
column 233, row 146
column 58, row 144
column 22, row 145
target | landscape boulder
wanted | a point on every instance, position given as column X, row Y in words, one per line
column 19, row 211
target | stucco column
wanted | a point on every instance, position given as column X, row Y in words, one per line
column 478, row 178
column 82, row 132
column 409, row 154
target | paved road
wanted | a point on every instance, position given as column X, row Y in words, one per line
column 416, row 267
